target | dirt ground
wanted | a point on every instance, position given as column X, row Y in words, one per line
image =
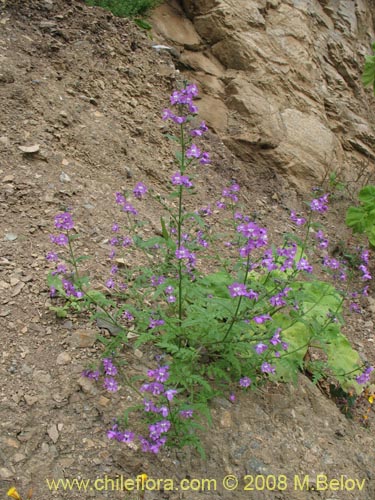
column 86, row 90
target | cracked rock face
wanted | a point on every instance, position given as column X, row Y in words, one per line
column 285, row 77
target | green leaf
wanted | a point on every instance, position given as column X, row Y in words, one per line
column 143, row 24
column 367, row 195
column 368, row 75
column 355, row 219
column 172, row 137
column 343, row 360
column 164, row 229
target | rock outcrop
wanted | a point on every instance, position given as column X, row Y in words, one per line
column 281, row 80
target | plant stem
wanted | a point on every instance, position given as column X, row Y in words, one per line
column 239, row 301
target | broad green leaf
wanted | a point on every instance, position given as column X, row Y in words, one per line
column 367, row 195
column 355, row 219
column 368, row 75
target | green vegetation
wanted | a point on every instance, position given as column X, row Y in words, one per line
column 125, row 8
column 368, row 75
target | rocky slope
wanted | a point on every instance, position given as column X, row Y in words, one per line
column 85, row 91
column 282, row 80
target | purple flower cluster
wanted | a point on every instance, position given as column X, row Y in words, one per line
column 278, row 300
column 303, row 265
column 70, row 289
column 157, row 280
column 245, row 382
column 156, row 438
column 364, row 378
column 154, row 322
column 267, row 368
column 231, row 192
column 169, row 291
column 323, row 241
column 91, row 374
column 59, row 239
column 181, row 180
column 110, row 371
column 183, row 99
column 239, row 289
column 198, row 132
column 274, row 341
column 184, row 254
column 140, row 190
column 320, row 204
column 366, row 276
column 299, row 221
column 121, row 437
column 64, row 221
column 256, row 237
column 126, row 205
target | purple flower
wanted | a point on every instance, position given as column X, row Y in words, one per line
column 92, row 374
column 127, row 316
column 364, row 378
column 320, row 204
column 323, row 241
column 110, row 384
column 193, row 151
column 365, row 272
column 128, row 207
column 52, row 257
column 109, row 367
column 299, row 221
column 232, row 397
column 161, row 374
column 181, row 180
column 186, row 413
column 178, row 119
column 140, row 190
column 169, row 289
column 155, row 388
column 52, row 291
column 125, row 437
column 112, row 433
column 127, row 241
column 149, row 406
column 157, row 280
column 60, row 239
column 171, row 299
column 365, row 256
column 277, row 300
column 237, row 290
column 260, row 348
column 170, row 394
column 196, row 132
column 64, row 221
column 163, row 410
column 60, row 269
column 110, row 283
column 205, row 158
column 276, row 337
column 182, row 253
column 166, row 114
column 70, row 289
column 155, row 322
column 303, row 265
column 262, row 318
column 203, row 126
column 115, row 227
column 267, row 368
column 120, row 198
column 245, row 382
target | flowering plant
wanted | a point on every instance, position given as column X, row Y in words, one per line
column 223, row 306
